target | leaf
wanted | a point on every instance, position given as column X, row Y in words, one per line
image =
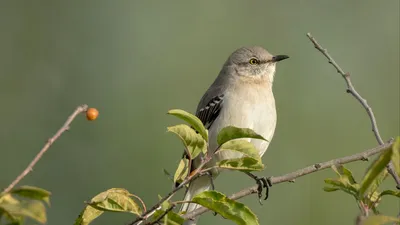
column 113, row 200
column 171, row 218
column 116, row 200
column 242, row 146
column 182, row 171
column 166, row 173
column 227, row 208
column 374, row 170
column 344, row 174
column 379, row 220
column 242, row 164
column 193, row 141
column 396, row 155
column 378, row 181
column 32, row 209
column 87, row 215
column 32, row 193
column 391, row 192
column 192, row 120
column 330, row 189
column 342, row 186
column 230, row 133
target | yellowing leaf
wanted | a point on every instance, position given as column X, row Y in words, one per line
column 182, row 171
column 193, row 141
column 230, row 133
column 379, row 220
column 87, row 215
column 113, row 200
column 227, row 208
column 32, row 193
column 32, row 209
column 192, row 120
column 242, row 164
column 374, row 170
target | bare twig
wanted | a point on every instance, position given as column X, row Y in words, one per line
column 49, row 142
column 361, row 100
column 299, row 173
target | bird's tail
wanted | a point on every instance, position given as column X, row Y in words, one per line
column 197, row 186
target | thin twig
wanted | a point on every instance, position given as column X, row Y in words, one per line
column 351, row 90
column 49, row 142
column 161, row 216
column 151, row 211
column 141, row 201
column 290, row 177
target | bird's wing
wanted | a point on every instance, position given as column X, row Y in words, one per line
column 210, row 111
column 207, row 111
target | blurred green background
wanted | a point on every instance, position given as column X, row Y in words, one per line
column 134, row 60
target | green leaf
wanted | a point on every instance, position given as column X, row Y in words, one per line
column 32, row 193
column 13, row 219
column 344, row 174
column 169, row 176
column 243, row 164
column 192, row 120
column 396, row 155
column 171, row 218
column 342, row 186
column 391, row 192
column 330, row 189
column 378, row 181
column 379, row 220
column 228, row 208
column 230, row 133
column 193, row 141
column 242, row 146
column 115, row 200
column 182, row 171
column 32, row 209
column 374, row 170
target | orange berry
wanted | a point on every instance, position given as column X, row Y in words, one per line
column 92, row 114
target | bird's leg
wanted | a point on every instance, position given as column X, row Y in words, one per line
column 262, row 183
column 208, row 173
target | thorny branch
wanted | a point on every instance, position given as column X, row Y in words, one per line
column 65, row 127
column 361, row 100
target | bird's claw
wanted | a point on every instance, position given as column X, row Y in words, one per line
column 262, row 183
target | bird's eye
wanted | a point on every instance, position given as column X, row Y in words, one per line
column 254, row 61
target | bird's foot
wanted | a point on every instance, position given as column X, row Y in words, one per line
column 262, row 183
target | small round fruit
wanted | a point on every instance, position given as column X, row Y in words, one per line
column 92, row 114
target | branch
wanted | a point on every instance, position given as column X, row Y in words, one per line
column 361, row 100
column 64, row 128
column 290, row 177
column 151, row 211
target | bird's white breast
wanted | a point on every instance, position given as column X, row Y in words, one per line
column 246, row 106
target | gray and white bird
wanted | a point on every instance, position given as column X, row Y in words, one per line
column 240, row 96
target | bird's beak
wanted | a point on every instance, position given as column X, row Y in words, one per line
column 278, row 58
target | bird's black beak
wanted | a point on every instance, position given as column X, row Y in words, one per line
column 278, row 58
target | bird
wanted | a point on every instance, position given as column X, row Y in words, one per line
column 240, row 96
